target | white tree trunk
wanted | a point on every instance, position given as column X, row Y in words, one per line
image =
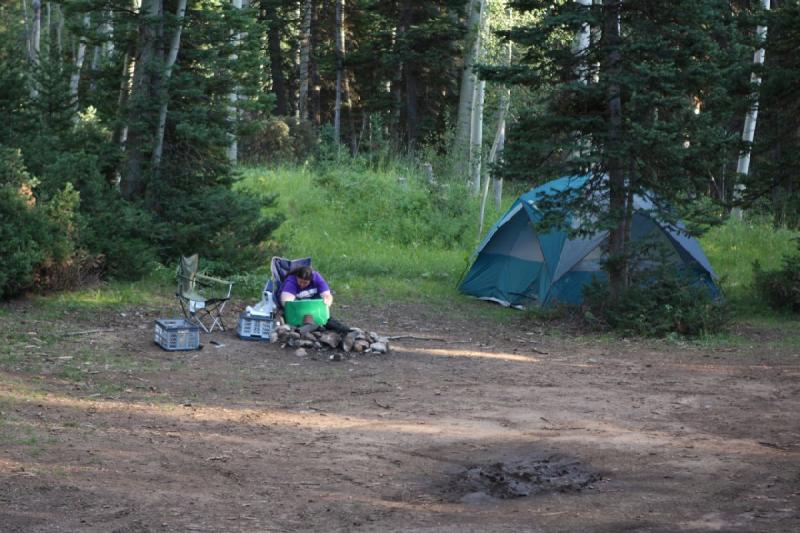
column 500, row 136
column 749, row 130
column 108, row 32
column 337, row 110
column 497, row 182
column 497, row 148
column 582, row 44
column 466, row 92
column 233, row 98
column 476, row 138
column 60, row 32
column 301, row 108
column 75, row 78
column 172, row 56
column 36, row 39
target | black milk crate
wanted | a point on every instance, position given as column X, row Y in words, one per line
column 174, row 334
column 255, row 328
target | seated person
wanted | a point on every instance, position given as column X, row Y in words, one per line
column 303, row 283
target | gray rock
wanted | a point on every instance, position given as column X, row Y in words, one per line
column 348, row 341
column 378, row 347
column 331, row 338
column 300, row 352
column 307, row 329
column 360, row 345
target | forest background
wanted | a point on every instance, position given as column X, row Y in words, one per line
column 372, row 135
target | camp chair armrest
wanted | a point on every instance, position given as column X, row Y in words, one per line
column 209, row 279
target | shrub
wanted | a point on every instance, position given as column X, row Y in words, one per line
column 117, row 236
column 23, row 242
column 277, row 140
column 658, row 302
column 410, row 214
column 224, row 226
column 34, row 236
column 780, row 288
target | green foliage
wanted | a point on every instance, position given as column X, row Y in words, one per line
column 625, row 110
column 225, row 227
column 349, row 219
column 34, row 236
column 658, row 302
column 780, row 288
column 733, row 248
column 277, row 140
column 409, row 214
column 773, row 184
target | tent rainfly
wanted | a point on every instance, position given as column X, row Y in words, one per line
column 515, row 265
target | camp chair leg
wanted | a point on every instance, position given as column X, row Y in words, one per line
column 210, row 317
column 190, row 316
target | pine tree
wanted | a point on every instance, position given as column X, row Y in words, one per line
column 774, row 181
column 646, row 108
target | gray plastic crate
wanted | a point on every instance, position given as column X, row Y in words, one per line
column 174, row 334
column 255, row 328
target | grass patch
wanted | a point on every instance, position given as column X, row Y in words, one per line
column 153, row 291
column 733, row 247
column 372, row 237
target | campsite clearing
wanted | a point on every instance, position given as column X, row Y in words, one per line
column 101, row 430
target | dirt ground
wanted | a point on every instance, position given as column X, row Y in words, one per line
column 103, row 431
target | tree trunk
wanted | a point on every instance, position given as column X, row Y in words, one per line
column 494, row 153
column 412, row 106
column 617, row 253
column 276, row 59
column 233, row 97
column 749, row 130
column 581, row 45
column 396, row 86
column 500, row 136
column 337, row 109
column 476, row 138
column 75, row 78
column 305, row 45
column 497, row 182
column 316, row 82
column 467, row 90
column 133, row 182
column 121, row 129
column 172, row 56
column 36, row 40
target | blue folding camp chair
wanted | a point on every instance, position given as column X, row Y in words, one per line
column 280, row 267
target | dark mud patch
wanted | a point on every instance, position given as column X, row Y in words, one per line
column 521, row 478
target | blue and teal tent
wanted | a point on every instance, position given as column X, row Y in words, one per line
column 515, row 265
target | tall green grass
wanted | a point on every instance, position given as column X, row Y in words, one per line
column 734, row 246
column 382, row 233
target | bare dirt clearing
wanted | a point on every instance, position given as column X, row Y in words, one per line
column 103, row 431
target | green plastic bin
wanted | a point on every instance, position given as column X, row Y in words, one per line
column 297, row 309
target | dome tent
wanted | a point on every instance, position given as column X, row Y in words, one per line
column 516, row 265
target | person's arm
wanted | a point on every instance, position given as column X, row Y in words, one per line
column 324, row 289
column 327, row 297
column 289, row 290
column 287, row 297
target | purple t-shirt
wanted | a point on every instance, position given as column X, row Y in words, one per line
column 317, row 286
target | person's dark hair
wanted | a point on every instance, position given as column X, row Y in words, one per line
column 302, row 272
